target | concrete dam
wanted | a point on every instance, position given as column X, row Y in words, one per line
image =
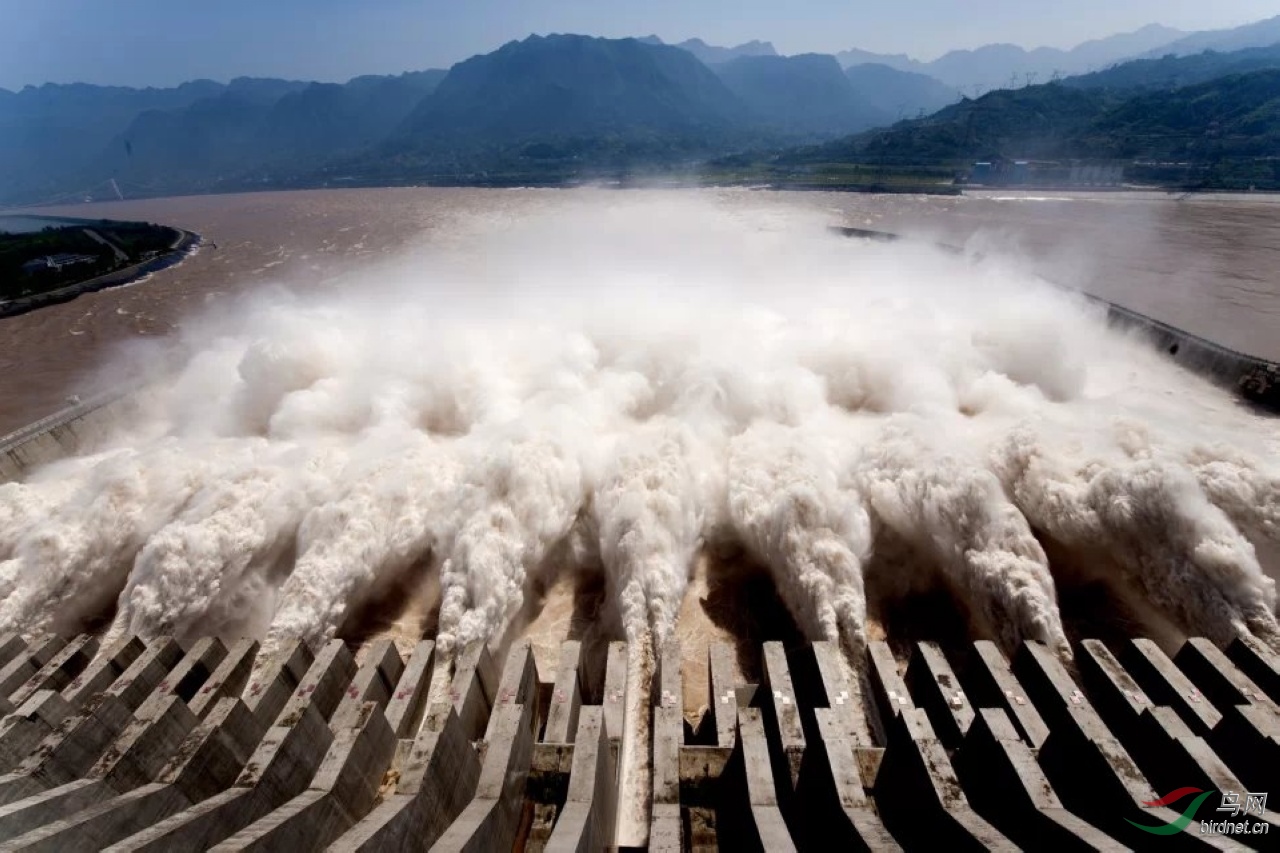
column 133, row 730
column 152, row 746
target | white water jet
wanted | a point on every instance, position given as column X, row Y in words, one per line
column 658, row 370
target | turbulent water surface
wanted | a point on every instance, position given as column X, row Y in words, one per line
column 474, row 399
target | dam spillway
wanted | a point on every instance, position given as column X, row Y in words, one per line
column 157, row 746
column 755, row 555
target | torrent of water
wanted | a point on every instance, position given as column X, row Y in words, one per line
column 652, row 373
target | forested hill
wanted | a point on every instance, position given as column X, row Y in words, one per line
column 1234, row 116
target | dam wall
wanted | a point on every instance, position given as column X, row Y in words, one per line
column 153, row 744
column 1253, row 379
column 64, row 433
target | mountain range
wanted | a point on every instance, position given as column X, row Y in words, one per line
column 1172, row 71
column 569, row 100
column 803, row 94
column 1258, row 34
column 1236, row 116
column 998, row 66
column 557, row 106
column 712, row 55
column 995, row 66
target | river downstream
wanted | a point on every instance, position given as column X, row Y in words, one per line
column 1205, row 264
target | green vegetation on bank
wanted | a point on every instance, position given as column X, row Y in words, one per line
column 1224, row 133
column 41, row 262
column 1174, row 72
column 834, row 176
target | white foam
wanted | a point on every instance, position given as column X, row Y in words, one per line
column 648, row 371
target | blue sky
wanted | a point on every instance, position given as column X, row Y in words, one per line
column 149, row 42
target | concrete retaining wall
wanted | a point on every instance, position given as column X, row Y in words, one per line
column 64, row 433
column 1254, row 379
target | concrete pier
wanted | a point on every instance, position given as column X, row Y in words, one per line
column 404, row 710
column 436, row 782
column 23, row 729
column 1219, row 679
column 781, row 703
column 228, row 679
column 930, row 678
column 635, row 749
column 185, row 751
column 1006, row 786
column 992, row 685
column 723, row 698
column 1167, row 685
column 1258, row 662
column 60, row 669
column 1090, row 769
column 74, row 747
column 841, row 693
column 890, row 691
column 839, row 811
column 922, row 800
column 27, row 663
column 11, row 645
column 435, row 775
column 279, row 769
column 489, row 822
column 586, row 822
column 763, row 824
column 205, row 762
column 666, row 828
column 351, row 772
column 566, row 697
column 109, row 665
column 342, row 791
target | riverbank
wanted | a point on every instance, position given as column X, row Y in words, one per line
column 182, row 246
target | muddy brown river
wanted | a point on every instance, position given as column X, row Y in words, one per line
column 1208, row 264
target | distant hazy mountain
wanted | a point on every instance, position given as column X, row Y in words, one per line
column 1173, row 72
column 1098, row 53
column 1259, row 34
column 712, row 55
column 262, row 90
column 50, row 131
column 899, row 61
column 899, row 94
column 324, row 119
column 997, row 65
column 571, row 85
column 807, row 94
column 258, row 124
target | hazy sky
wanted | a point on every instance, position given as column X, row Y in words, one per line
column 150, row 42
